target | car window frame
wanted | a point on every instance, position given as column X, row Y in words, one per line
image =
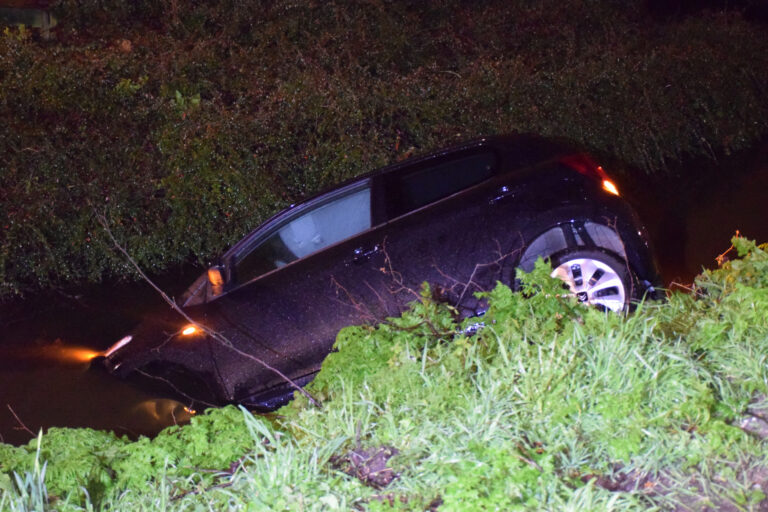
column 262, row 233
column 389, row 186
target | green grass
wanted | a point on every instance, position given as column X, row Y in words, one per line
column 550, row 406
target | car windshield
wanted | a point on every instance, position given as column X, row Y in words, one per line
column 305, row 232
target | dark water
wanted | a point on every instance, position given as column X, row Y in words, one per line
column 46, row 378
column 692, row 219
column 46, row 375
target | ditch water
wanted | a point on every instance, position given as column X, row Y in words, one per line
column 46, row 345
column 46, row 375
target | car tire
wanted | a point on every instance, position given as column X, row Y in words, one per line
column 595, row 278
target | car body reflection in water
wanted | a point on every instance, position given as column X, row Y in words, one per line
column 162, row 412
column 56, row 385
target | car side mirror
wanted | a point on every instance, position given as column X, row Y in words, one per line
column 216, row 279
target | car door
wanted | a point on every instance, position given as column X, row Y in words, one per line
column 443, row 228
column 292, row 286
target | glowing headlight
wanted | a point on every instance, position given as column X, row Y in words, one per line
column 123, row 342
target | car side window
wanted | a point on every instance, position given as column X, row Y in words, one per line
column 428, row 184
column 308, row 231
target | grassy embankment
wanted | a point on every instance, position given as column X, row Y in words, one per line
column 551, row 405
column 188, row 123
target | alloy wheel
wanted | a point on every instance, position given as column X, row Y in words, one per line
column 593, row 282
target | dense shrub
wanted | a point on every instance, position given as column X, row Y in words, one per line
column 188, row 123
column 86, row 463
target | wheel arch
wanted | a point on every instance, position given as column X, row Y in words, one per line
column 573, row 234
column 609, row 235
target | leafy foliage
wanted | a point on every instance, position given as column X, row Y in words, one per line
column 84, row 465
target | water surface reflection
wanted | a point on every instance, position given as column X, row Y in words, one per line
column 50, row 374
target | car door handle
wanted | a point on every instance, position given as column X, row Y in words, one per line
column 361, row 254
column 501, row 194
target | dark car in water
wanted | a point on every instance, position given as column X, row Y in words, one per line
column 460, row 219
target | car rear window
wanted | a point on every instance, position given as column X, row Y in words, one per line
column 429, row 184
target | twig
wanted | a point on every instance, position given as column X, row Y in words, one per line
column 365, row 313
column 722, row 258
column 688, row 287
column 23, row 426
column 193, row 492
column 233, row 468
column 210, row 332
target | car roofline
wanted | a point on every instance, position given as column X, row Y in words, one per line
column 499, row 142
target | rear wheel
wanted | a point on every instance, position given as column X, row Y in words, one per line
column 595, row 278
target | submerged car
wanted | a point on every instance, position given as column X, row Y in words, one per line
column 460, row 219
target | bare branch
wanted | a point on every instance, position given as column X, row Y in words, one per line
column 21, row 423
column 364, row 311
column 177, row 390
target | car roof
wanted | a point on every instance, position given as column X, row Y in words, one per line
column 535, row 147
column 521, row 145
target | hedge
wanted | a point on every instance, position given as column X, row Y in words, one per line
column 187, row 123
